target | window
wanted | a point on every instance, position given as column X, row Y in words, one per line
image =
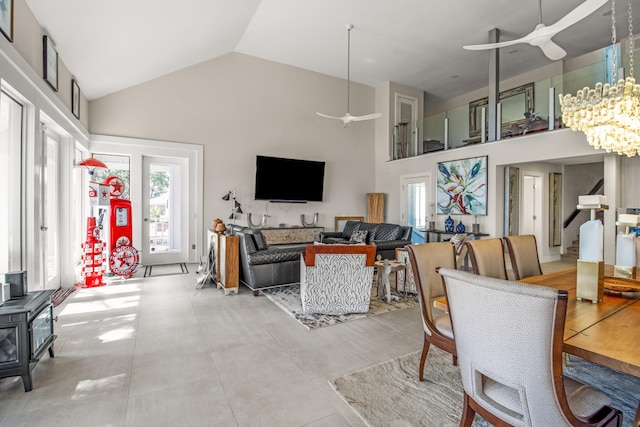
column 11, row 131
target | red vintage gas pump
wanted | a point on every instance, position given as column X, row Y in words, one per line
column 123, row 259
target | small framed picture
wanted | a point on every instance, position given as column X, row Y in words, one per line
column 6, row 18
column 75, row 98
column 50, row 61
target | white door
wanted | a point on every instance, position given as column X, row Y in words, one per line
column 416, row 192
column 532, row 207
column 165, row 231
column 50, row 217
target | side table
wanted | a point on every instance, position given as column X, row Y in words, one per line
column 384, row 268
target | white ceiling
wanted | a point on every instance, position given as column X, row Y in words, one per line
column 112, row 45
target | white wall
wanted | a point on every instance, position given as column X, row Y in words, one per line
column 238, row 106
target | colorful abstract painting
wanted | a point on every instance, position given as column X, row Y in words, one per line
column 462, row 187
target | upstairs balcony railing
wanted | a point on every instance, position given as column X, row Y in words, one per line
column 533, row 107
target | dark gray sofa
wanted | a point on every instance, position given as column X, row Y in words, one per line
column 386, row 237
column 263, row 266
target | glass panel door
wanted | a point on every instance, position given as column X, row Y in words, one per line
column 164, row 209
column 415, row 194
column 50, row 208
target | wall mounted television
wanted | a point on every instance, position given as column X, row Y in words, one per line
column 289, row 180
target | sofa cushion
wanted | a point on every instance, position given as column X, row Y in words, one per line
column 372, row 230
column 350, row 227
column 258, row 238
column 272, row 256
column 388, row 232
column 359, row 236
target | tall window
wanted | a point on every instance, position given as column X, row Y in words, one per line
column 11, row 118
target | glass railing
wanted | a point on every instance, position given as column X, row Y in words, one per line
column 524, row 110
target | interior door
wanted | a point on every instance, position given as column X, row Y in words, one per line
column 165, row 231
column 532, row 207
column 50, row 218
column 416, row 191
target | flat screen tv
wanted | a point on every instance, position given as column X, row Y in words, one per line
column 289, row 180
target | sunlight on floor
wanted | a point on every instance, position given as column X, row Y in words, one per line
column 104, row 385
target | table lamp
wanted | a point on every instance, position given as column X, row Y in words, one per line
column 590, row 264
column 626, row 247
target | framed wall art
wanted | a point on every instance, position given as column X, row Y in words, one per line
column 50, row 62
column 75, row 98
column 6, row 18
column 342, row 220
column 462, row 187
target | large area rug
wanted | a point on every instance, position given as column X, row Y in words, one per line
column 288, row 299
column 390, row 394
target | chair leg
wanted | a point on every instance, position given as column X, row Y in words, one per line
column 468, row 413
column 423, row 357
column 455, row 361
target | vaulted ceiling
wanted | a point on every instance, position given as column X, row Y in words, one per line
column 112, row 45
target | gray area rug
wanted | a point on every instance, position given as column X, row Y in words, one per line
column 288, row 299
column 390, row 394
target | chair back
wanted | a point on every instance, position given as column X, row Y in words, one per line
column 523, row 252
column 487, row 257
column 425, row 258
column 509, row 346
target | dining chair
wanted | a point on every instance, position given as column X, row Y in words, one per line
column 523, row 252
column 424, row 259
column 487, row 257
column 509, row 345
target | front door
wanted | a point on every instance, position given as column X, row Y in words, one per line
column 50, row 219
column 164, row 209
column 416, row 190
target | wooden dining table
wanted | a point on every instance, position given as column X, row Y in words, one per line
column 606, row 333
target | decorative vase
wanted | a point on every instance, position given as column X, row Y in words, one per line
column 460, row 228
column 448, row 225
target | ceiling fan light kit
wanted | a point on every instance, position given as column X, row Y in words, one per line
column 347, row 119
column 541, row 35
column 609, row 114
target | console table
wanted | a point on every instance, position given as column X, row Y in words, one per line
column 290, row 235
column 440, row 233
column 26, row 332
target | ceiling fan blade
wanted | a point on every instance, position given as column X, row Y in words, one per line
column 365, row 117
column 329, row 117
column 579, row 13
column 552, row 50
column 496, row 45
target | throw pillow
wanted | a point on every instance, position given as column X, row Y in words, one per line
column 359, row 236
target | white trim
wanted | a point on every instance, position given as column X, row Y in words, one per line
column 137, row 148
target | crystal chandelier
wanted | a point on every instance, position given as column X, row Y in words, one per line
column 609, row 115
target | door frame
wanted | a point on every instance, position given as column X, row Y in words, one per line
column 540, row 207
column 136, row 148
column 429, row 193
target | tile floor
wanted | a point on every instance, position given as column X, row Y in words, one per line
column 157, row 352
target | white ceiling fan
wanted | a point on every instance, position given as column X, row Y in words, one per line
column 347, row 119
column 541, row 35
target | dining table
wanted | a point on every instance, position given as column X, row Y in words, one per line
column 605, row 332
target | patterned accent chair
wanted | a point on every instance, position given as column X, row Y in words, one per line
column 523, row 252
column 404, row 278
column 487, row 257
column 336, row 279
column 509, row 344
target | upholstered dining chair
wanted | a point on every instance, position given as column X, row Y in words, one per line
column 425, row 258
column 523, row 252
column 487, row 257
column 509, row 346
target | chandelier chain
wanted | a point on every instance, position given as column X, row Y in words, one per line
column 614, row 56
column 631, row 41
